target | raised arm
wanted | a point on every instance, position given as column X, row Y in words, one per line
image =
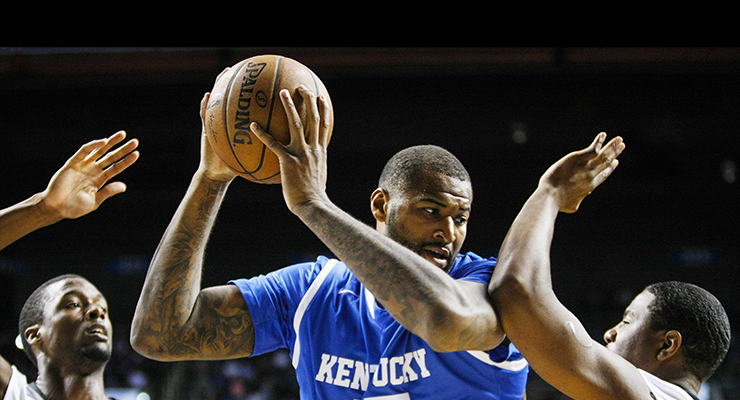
column 549, row 336
column 449, row 314
column 76, row 189
column 175, row 319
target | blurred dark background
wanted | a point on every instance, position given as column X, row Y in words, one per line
column 669, row 212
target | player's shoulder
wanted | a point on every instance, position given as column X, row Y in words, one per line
column 331, row 270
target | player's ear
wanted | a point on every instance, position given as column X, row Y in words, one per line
column 379, row 204
column 31, row 334
column 671, row 344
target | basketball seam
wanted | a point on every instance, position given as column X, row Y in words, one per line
column 226, row 119
column 276, row 85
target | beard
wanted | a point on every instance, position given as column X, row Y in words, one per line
column 93, row 356
column 392, row 231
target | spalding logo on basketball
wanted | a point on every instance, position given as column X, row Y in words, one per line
column 249, row 92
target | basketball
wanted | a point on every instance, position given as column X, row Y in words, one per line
column 249, row 92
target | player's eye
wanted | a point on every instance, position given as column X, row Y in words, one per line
column 430, row 211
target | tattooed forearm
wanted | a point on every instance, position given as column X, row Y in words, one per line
column 174, row 318
column 449, row 314
column 373, row 258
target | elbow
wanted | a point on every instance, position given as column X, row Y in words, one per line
column 478, row 329
column 139, row 344
column 440, row 338
column 146, row 346
column 442, row 347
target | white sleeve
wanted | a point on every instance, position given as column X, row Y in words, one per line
column 17, row 386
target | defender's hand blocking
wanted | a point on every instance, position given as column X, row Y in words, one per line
column 577, row 174
column 303, row 160
column 79, row 187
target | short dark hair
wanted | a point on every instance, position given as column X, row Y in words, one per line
column 699, row 317
column 32, row 312
column 404, row 170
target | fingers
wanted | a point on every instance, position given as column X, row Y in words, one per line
column 313, row 118
column 313, row 133
column 269, row 141
column 226, row 70
column 118, row 154
column 121, row 165
column 294, row 125
column 95, row 153
column 106, row 145
column 203, row 108
column 605, row 160
column 598, row 142
column 325, row 124
column 87, row 149
column 298, row 133
column 93, row 150
column 609, row 153
column 108, row 191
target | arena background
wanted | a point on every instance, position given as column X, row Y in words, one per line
column 668, row 213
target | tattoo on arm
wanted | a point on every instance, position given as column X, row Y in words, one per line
column 179, row 320
column 217, row 329
column 417, row 296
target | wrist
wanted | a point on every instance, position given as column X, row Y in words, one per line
column 548, row 196
column 202, row 175
column 309, row 210
column 46, row 212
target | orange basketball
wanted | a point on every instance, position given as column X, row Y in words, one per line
column 249, row 92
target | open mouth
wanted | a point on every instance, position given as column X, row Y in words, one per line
column 97, row 331
column 437, row 255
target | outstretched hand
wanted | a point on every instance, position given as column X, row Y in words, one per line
column 576, row 175
column 79, row 187
column 303, row 160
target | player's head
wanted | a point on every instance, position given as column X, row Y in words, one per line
column 66, row 320
column 677, row 313
column 423, row 202
column 700, row 318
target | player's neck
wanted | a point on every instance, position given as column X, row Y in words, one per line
column 53, row 386
column 688, row 383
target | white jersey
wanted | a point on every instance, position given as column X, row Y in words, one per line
column 19, row 389
column 662, row 390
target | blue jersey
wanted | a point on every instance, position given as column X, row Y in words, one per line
column 344, row 345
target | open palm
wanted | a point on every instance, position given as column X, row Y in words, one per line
column 80, row 186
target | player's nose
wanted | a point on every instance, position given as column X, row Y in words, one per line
column 446, row 230
column 95, row 312
column 610, row 335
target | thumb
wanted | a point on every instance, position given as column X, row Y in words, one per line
column 108, row 191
